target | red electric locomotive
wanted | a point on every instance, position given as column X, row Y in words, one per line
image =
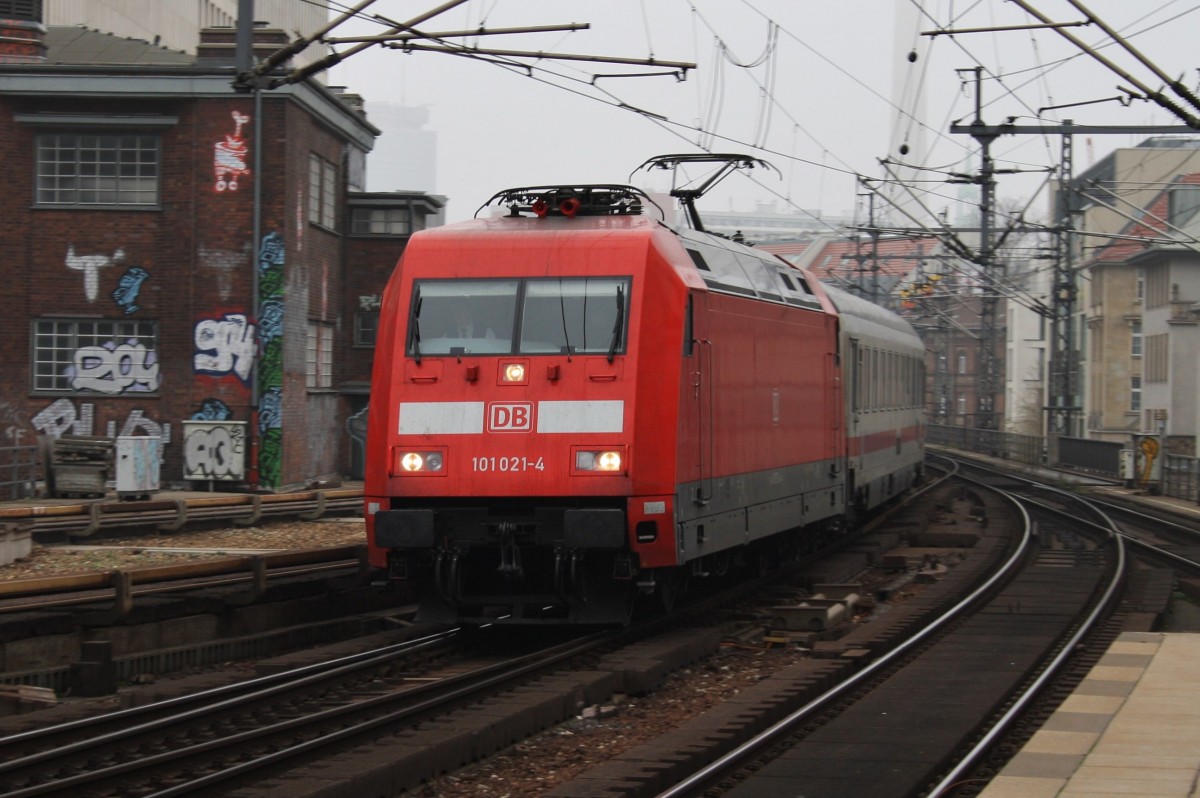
column 576, row 403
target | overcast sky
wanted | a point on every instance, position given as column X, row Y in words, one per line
column 820, row 89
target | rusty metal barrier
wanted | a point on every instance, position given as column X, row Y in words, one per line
column 124, row 584
column 84, row 519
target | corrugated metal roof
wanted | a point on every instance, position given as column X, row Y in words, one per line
column 78, row 45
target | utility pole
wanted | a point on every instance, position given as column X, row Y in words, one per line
column 988, row 381
column 860, row 258
column 1062, row 406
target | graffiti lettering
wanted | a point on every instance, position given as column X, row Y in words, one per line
column 137, row 423
column 212, row 409
column 91, row 265
column 115, row 369
column 231, row 343
column 128, row 287
column 13, row 420
column 216, row 452
column 61, row 417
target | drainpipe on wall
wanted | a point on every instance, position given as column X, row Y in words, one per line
column 244, row 63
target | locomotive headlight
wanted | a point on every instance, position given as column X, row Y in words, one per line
column 607, row 461
column 514, row 372
column 410, row 462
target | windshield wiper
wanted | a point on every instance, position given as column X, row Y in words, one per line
column 414, row 327
column 562, row 312
column 620, row 323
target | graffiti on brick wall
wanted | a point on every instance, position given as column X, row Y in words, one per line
column 128, row 288
column 271, row 261
column 230, row 155
column 63, row 417
column 224, row 346
column 216, row 452
column 14, row 421
column 91, row 265
column 212, row 409
column 114, row 368
column 225, row 263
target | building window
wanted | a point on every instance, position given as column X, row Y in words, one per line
column 322, row 192
column 1135, row 394
column 366, row 322
column 110, row 169
column 380, row 222
column 318, row 356
column 1155, row 365
column 95, row 356
column 1156, row 288
column 962, row 362
column 962, row 404
column 1135, row 345
column 1183, row 201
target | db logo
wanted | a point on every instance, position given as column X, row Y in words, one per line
column 510, row 417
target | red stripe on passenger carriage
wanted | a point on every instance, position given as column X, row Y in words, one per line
column 879, row 441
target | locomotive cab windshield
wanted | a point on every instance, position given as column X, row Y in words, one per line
column 535, row 316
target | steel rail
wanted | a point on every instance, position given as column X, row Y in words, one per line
column 1113, row 527
column 765, row 738
column 1002, row 725
column 463, row 685
column 253, row 688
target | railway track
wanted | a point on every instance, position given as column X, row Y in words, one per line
column 633, row 667
column 1161, row 558
column 1061, row 554
column 890, row 705
column 463, row 702
column 195, row 742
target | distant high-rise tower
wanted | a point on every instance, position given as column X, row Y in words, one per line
column 405, row 155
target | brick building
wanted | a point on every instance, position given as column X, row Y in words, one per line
column 136, row 300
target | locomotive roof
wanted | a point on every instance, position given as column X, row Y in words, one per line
column 722, row 264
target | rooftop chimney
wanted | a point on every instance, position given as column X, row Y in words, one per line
column 22, row 34
column 219, row 45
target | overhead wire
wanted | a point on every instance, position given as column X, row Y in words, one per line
column 712, row 119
